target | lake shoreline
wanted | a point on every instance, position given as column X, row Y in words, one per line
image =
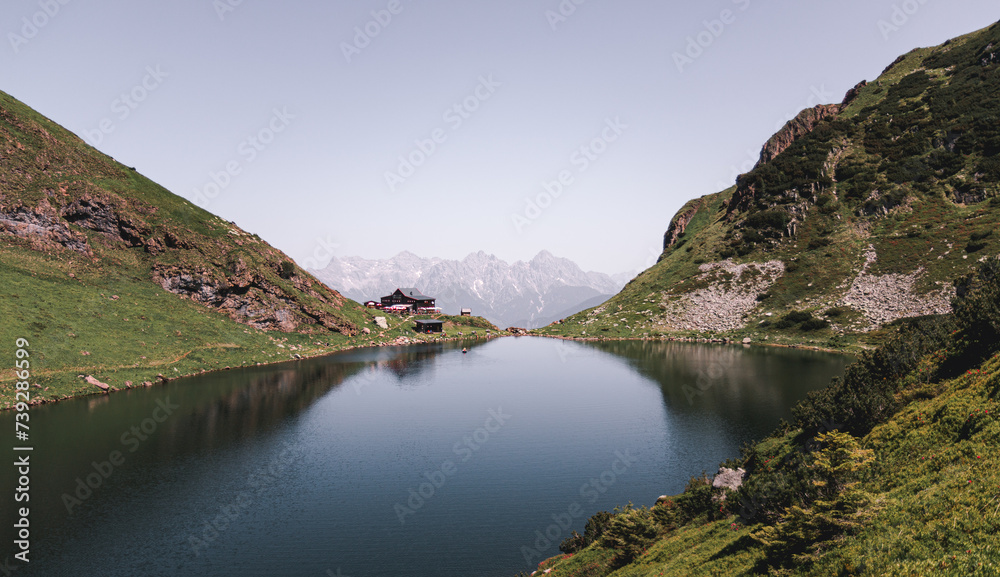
column 405, row 341
column 701, row 341
column 400, row 341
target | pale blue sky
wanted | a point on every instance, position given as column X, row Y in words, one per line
column 213, row 74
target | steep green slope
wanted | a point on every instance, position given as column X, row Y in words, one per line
column 106, row 273
column 857, row 215
column 891, row 471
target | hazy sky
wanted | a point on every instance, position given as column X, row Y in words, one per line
column 371, row 127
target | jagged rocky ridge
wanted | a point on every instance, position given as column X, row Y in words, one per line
column 521, row 294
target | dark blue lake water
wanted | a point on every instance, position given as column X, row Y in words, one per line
column 418, row 461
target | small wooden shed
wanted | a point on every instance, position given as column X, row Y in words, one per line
column 430, row 327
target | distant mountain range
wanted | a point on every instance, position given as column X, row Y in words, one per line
column 524, row 294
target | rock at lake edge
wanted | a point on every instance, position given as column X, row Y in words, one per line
column 103, row 386
column 731, row 479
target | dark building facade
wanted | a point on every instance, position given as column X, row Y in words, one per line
column 410, row 297
column 430, row 327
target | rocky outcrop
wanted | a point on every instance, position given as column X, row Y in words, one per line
column 680, row 222
column 731, row 479
column 800, row 126
column 899, row 59
column 795, row 129
column 853, row 94
column 989, row 55
column 100, row 215
column 42, row 227
column 247, row 298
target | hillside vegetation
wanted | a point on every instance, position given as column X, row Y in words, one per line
column 892, row 470
column 107, row 274
column 857, row 215
column 869, row 222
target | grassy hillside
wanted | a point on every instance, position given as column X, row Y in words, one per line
column 105, row 273
column 891, row 471
column 868, row 214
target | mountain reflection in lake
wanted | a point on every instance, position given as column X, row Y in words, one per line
column 310, row 468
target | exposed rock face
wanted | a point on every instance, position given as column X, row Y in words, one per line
column 795, row 129
column 989, row 55
column 731, row 479
column 886, row 298
column 853, row 94
column 898, row 60
column 679, row 224
column 249, row 298
column 42, row 227
column 732, row 294
column 101, row 216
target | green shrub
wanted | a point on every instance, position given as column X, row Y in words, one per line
column 840, row 506
column 630, row 533
column 793, row 319
column 990, row 168
column 769, row 219
column 751, row 235
column 974, row 246
column 866, row 396
column 837, row 312
column 595, row 528
column 815, row 324
column 977, row 313
column 818, row 243
column 696, row 500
